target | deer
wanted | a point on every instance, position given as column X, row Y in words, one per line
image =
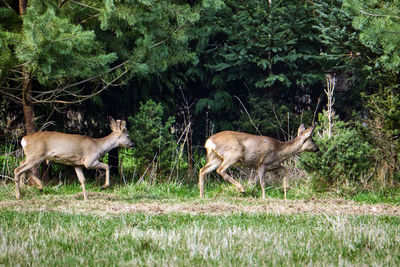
column 228, row 148
column 70, row 149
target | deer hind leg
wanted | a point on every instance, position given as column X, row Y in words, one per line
column 213, row 162
column 21, row 169
column 221, row 170
column 81, row 178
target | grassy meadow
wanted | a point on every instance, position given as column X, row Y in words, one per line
column 168, row 225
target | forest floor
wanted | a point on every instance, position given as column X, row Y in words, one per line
column 100, row 203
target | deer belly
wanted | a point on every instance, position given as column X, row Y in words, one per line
column 74, row 161
column 251, row 161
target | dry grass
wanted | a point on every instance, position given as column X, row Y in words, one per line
column 103, row 204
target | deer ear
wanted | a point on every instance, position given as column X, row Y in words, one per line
column 309, row 131
column 118, row 124
column 123, row 125
column 301, row 129
column 113, row 124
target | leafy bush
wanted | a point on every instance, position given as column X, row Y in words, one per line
column 346, row 156
column 7, row 165
column 153, row 141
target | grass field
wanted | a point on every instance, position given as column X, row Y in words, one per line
column 167, row 224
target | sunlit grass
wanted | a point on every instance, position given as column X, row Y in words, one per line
column 50, row 238
column 56, row 227
column 213, row 189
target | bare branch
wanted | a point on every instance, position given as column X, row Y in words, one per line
column 12, row 97
column 81, row 4
column 80, row 97
column 94, row 77
column 378, row 15
column 8, row 6
column 62, row 3
column 248, row 115
column 89, row 18
column 163, row 41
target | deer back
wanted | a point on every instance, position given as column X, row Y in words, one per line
column 249, row 149
column 69, row 149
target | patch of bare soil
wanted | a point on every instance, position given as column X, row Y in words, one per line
column 105, row 204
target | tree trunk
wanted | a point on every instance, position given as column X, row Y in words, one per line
column 113, row 161
column 29, row 114
column 27, row 103
column 22, row 7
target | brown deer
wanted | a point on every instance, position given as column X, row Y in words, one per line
column 70, row 149
column 227, row 148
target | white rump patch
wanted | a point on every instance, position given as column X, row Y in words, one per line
column 210, row 145
column 23, row 142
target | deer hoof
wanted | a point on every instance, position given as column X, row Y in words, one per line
column 104, row 187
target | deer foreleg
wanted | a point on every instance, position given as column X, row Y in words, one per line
column 37, row 181
column 81, row 178
column 261, row 177
column 100, row 165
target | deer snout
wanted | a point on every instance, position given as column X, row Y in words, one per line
column 127, row 143
column 310, row 146
column 130, row 143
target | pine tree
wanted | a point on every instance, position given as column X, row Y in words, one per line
column 267, row 49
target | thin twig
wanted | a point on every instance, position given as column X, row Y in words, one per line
column 7, row 177
column 8, row 6
column 84, row 5
column 141, row 178
column 251, row 121
column 378, row 15
column 94, row 77
column 316, row 109
column 279, row 122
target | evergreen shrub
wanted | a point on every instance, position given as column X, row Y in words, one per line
column 346, row 156
column 153, row 141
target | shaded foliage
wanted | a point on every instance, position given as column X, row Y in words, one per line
column 100, row 58
column 347, row 156
column 150, row 132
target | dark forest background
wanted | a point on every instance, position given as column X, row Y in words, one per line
column 179, row 71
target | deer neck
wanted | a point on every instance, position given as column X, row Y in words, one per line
column 290, row 148
column 107, row 143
